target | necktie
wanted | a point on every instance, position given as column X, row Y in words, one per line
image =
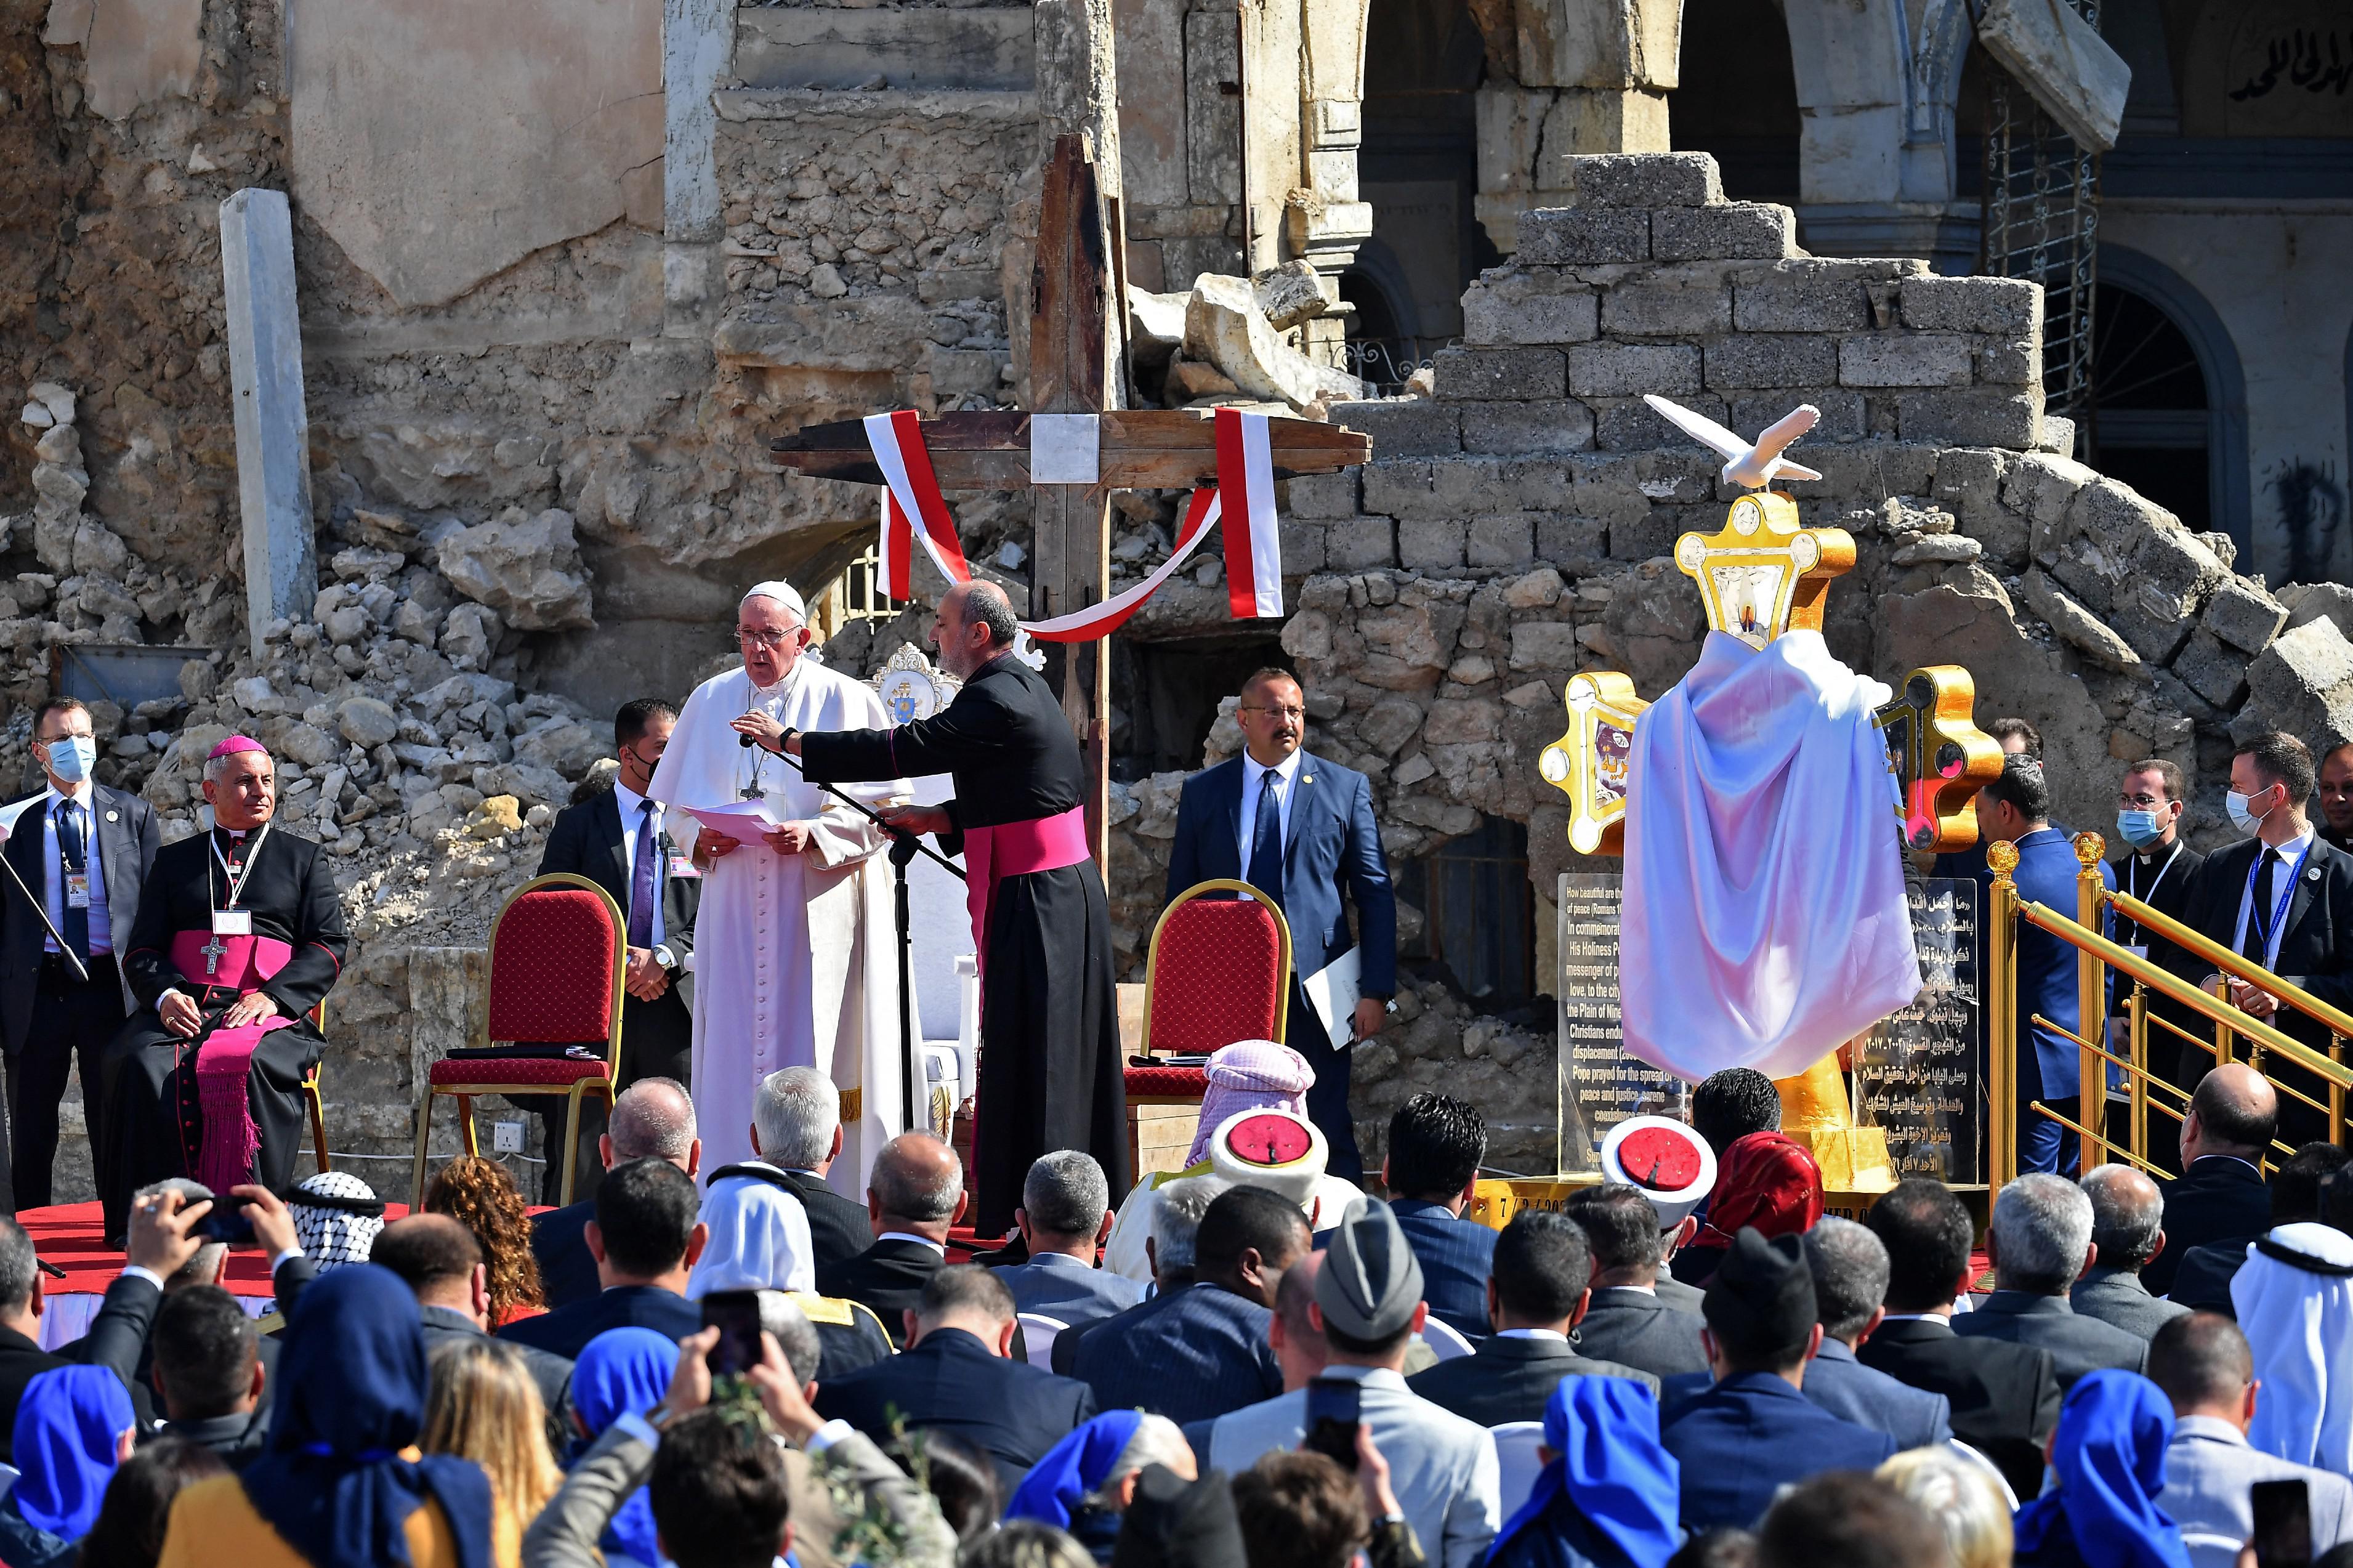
column 645, row 874
column 1265, row 872
column 2260, row 906
column 72, row 850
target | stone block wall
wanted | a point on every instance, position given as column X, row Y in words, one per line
column 1517, row 528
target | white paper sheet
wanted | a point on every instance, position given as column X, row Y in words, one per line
column 1333, row 992
column 738, row 819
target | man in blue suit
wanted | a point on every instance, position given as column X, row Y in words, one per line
column 2015, row 809
column 1755, row 1431
column 1850, row 1267
column 1298, row 826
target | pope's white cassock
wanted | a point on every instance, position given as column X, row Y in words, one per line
column 794, row 957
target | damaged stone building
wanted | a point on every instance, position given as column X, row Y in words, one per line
column 562, row 273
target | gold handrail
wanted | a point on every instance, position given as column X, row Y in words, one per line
column 2231, row 963
column 2096, row 956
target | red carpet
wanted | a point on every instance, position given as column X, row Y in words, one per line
column 67, row 1235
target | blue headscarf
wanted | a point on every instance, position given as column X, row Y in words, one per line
column 2109, row 1454
column 1621, row 1492
column 351, row 1390
column 68, row 1424
column 624, row 1371
column 1072, row 1467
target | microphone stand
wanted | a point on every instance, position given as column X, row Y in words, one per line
column 904, row 847
column 65, row 950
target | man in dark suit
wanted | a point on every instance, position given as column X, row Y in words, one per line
column 958, row 1376
column 796, row 1131
column 1849, row 1270
column 1198, row 1353
column 1298, row 826
column 645, row 1239
column 915, row 1194
column 2040, row 1243
column 440, row 1259
column 1755, row 1431
column 84, row 851
column 2127, row 1230
column 1064, row 1216
column 2298, row 1188
column 2219, row 1195
column 21, row 1357
column 2335, row 796
column 1536, row 1297
column 1629, row 1319
column 2003, row 1397
column 2015, row 809
column 1436, row 1145
column 2283, row 900
column 654, row 1118
column 2157, row 866
column 617, row 840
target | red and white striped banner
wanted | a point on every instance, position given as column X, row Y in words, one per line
column 1245, row 488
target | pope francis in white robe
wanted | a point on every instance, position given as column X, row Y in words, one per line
column 794, row 963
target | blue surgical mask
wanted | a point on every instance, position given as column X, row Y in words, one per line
column 72, row 756
column 2141, row 829
column 2243, row 816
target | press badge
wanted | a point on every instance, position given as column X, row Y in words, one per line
column 232, row 922
column 682, row 865
column 77, row 890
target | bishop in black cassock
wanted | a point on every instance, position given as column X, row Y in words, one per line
column 285, row 896
column 1050, row 1075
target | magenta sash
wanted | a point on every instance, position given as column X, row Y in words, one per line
column 225, row 1057
column 1016, row 849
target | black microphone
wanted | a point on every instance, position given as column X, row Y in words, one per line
column 744, row 741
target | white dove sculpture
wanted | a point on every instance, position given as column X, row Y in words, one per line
column 1749, row 467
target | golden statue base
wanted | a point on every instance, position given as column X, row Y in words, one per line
column 1815, row 1114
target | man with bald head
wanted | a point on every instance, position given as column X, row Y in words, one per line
column 653, row 1119
column 795, row 958
column 915, row 1194
column 2127, row 1232
column 1049, row 1067
column 2233, row 1116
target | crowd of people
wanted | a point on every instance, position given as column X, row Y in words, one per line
column 1298, row 1383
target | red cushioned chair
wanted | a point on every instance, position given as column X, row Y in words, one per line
column 558, row 952
column 1219, row 972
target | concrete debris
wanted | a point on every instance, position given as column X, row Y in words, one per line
column 1288, row 294
column 528, row 569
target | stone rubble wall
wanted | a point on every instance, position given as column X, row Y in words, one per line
column 1517, row 527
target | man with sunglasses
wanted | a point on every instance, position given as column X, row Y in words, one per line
column 620, row 841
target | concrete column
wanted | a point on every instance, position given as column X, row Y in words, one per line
column 698, row 48
column 1325, row 221
column 273, row 431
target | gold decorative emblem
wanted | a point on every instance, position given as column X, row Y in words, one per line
column 1939, row 757
column 1764, row 573
column 1589, row 763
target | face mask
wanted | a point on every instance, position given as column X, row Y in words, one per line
column 72, row 756
column 2242, row 816
column 2141, row 829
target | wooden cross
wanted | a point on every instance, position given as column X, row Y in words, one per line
column 1939, row 757
column 1077, row 300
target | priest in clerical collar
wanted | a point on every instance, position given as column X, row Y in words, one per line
column 239, row 935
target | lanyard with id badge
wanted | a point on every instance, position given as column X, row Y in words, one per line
column 76, row 878
column 2120, row 1028
column 227, row 919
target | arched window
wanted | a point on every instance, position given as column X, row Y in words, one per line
column 1736, row 97
column 2171, row 399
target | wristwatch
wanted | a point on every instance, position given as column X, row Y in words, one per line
column 664, row 957
column 789, row 733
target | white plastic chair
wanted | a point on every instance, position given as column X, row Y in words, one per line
column 1445, row 1342
column 1039, row 1333
column 1516, row 1463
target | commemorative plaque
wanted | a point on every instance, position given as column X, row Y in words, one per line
column 1919, row 1074
column 1601, row 1085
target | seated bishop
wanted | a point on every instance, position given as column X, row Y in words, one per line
column 239, row 935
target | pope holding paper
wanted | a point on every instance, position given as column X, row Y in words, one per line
column 793, row 958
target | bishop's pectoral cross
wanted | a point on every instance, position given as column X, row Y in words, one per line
column 1763, row 574
column 213, row 952
column 1078, row 297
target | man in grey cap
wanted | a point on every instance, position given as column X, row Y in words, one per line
column 1368, row 1305
column 1753, row 1432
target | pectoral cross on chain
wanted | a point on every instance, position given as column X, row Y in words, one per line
column 214, row 951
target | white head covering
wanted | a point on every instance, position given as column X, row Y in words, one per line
column 337, row 1217
column 759, row 1239
column 1242, row 1077
column 2294, row 1300
column 1282, row 1151
column 1669, row 1162
column 782, row 592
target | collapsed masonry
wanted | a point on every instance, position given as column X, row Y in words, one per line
column 1514, row 529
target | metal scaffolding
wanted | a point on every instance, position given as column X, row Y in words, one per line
column 2041, row 219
